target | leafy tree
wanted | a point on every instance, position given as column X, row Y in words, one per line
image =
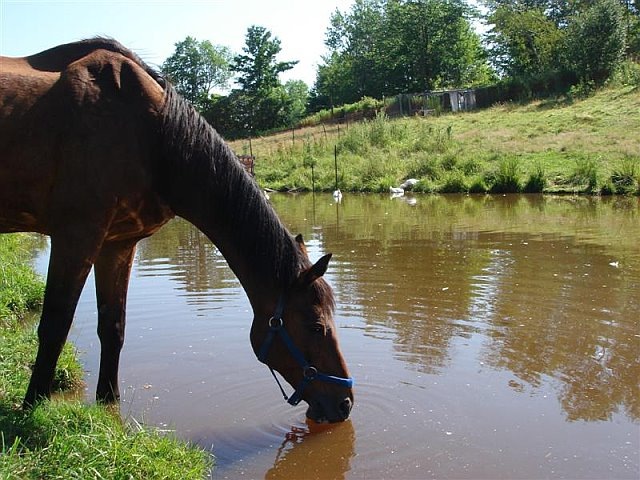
column 356, row 44
column 196, row 68
column 264, row 103
column 562, row 40
column 632, row 27
column 333, row 84
column 297, row 94
column 433, row 45
column 596, row 41
column 383, row 47
column 257, row 67
column 525, row 42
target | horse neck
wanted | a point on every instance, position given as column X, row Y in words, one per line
column 204, row 183
column 252, row 254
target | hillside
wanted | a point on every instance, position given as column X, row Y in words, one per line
column 580, row 146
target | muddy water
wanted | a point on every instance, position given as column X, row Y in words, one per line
column 490, row 337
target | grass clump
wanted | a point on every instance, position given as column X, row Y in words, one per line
column 537, row 180
column 454, row 183
column 585, row 175
column 625, row 177
column 507, row 177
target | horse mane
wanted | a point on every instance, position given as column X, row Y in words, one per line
column 205, row 183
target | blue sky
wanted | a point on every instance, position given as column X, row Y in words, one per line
column 151, row 28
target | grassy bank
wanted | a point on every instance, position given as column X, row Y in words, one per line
column 65, row 438
column 558, row 146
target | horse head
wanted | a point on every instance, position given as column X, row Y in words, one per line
column 299, row 340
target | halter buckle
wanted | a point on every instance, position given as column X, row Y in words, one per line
column 310, row 372
column 275, row 323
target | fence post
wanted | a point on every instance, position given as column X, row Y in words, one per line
column 335, row 161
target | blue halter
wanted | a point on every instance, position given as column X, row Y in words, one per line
column 309, row 372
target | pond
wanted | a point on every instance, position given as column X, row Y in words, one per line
column 489, row 336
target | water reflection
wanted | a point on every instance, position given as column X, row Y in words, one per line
column 315, row 452
column 189, row 258
column 551, row 282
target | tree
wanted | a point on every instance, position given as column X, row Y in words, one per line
column 432, row 45
column 355, row 41
column 333, row 84
column 562, row 41
column 297, row 94
column 196, row 68
column 525, row 42
column 384, row 47
column 596, row 41
column 264, row 104
column 257, row 66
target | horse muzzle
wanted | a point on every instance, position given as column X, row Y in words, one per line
column 325, row 409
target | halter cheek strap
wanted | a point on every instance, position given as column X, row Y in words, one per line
column 309, row 372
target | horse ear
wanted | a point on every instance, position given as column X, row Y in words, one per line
column 316, row 271
column 301, row 245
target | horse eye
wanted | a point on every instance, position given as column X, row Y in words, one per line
column 317, row 328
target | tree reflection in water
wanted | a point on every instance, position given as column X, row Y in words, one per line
column 550, row 282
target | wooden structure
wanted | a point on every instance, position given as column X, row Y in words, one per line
column 247, row 162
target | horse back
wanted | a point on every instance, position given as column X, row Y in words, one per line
column 75, row 140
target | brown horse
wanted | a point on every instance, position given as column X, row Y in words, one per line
column 98, row 151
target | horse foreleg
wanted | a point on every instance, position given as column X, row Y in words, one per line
column 112, row 270
column 69, row 264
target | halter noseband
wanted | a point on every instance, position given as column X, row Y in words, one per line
column 309, row 372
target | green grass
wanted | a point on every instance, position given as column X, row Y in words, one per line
column 64, row 438
column 20, row 288
column 562, row 145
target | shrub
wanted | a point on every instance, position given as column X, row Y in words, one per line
column 379, row 130
column 470, row 166
column 627, row 74
column 449, row 161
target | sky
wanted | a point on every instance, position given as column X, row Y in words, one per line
column 152, row 28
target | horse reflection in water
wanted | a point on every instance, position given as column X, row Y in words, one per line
column 308, row 453
column 98, row 152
